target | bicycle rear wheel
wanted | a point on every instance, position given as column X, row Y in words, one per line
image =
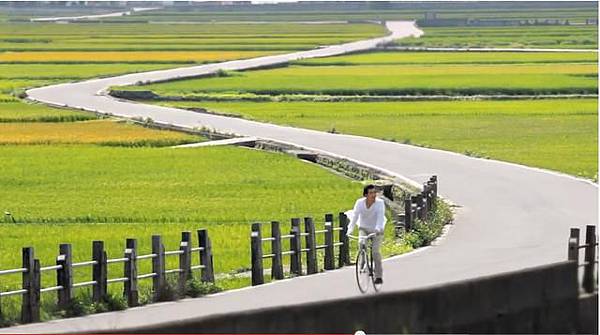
column 362, row 270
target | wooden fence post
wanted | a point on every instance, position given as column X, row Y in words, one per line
column 185, row 261
column 206, row 258
column 573, row 252
column 401, row 226
column 425, row 195
column 30, row 306
column 130, row 288
column 407, row 215
column 420, row 209
column 344, row 257
column 64, row 275
column 329, row 251
column 434, row 183
column 432, row 195
column 414, row 213
column 311, row 244
column 257, row 253
column 276, row 264
column 36, row 290
column 590, row 259
column 158, row 267
column 99, row 272
column 296, row 247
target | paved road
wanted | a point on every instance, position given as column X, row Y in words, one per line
column 512, row 217
column 86, row 17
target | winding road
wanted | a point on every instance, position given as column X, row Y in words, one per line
column 511, row 217
column 87, row 17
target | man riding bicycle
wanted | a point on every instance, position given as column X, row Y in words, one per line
column 369, row 212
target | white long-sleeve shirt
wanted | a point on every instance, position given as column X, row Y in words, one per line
column 370, row 219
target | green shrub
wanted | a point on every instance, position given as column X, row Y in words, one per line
column 196, row 288
column 115, row 302
column 424, row 232
column 79, row 306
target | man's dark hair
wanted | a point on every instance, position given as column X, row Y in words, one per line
column 367, row 188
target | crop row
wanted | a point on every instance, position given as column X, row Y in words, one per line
column 396, row 80
column 143, row 57
column 541, row 37
column 15, row 111
column 104, row 132
column 575, row 15
column 389, row 58
column 82, row 29
column 58, row 71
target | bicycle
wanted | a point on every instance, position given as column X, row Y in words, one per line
column 364, row 263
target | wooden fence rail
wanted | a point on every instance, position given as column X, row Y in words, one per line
column 589, row 282
column 31, row 272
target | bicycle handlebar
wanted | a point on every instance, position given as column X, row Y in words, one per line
column 362, row 237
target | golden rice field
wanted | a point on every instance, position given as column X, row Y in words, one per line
column 105, row 132
column 128, row 56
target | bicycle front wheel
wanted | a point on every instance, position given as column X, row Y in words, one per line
column 362, row 270
column 377, row 287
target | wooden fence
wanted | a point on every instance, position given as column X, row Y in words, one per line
column 32, row 272
column 589, row 282
column 418, row 206
column 296, row 250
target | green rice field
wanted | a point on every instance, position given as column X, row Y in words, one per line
column 552, row 37
column 77, row 194
column 441, row 58
column 178, row 37
column 23, row 112
column 536, row 132
column 397, row 79
column 71, row 71
column 553, row 134
column 575, row 13
column 92, row 184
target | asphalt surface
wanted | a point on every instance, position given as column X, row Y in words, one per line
column 86, row 17
column 511, row 217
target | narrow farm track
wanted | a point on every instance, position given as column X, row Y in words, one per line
column 87, row 17
column 511, row 217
